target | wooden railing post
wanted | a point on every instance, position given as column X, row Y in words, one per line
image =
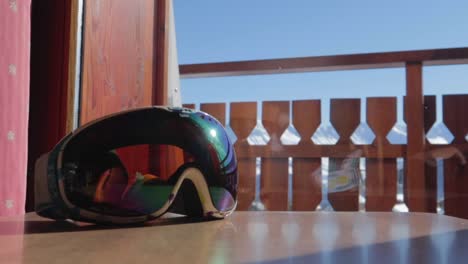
column 415, row 175
column 420, row 186
column 430, row 166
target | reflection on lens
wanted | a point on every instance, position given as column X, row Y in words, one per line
column 146, row 198
column 121, row 182
column 111, row 184
column 221, row 198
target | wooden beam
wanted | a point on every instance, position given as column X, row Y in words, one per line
column 161, row 48
column 326, row 63
column 318, row 151
column 446, row 151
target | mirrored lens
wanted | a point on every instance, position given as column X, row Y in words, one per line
column 222, row 152
column 126, row 164
column 126, row 181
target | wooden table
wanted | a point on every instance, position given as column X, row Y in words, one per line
column 246, row 237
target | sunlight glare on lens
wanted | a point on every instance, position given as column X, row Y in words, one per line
column 213, row 132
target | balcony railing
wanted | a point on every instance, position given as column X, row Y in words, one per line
column 420, row 173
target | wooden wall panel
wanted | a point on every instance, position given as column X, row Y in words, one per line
column 307, row 176
column 124, row 66
column 117, row 57
column 274, row 178
column 345, row 116
column 243, row 119
column 456, row 167
column 381, row 173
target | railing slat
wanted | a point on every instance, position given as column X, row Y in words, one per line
column 217, row 110
column 307, row 176
column 274, row 178
column 246, row 168
column 274, row 184
column 456, row 167
column 381, row 173
column 345, row 117
column 430, row 164
column 243, row 118
column 191, row 106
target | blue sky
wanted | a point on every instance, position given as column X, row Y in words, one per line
column 214, row 30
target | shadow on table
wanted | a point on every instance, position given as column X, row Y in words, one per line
column 48, row 226
column 450, row 247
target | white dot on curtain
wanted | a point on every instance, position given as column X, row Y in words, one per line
column 12, row 69
column 9, row 203
column 13, row 5
column 11, row 135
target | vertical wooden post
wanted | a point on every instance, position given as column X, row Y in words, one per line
column 74, row 50
column 161, row 47
column 430, row 168
column 169, row 158
column 416, row 138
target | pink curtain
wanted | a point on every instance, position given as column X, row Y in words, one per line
column 14, row 103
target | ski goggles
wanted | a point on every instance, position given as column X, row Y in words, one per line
column 136, row 165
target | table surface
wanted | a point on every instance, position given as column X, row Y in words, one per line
column 246, row 237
